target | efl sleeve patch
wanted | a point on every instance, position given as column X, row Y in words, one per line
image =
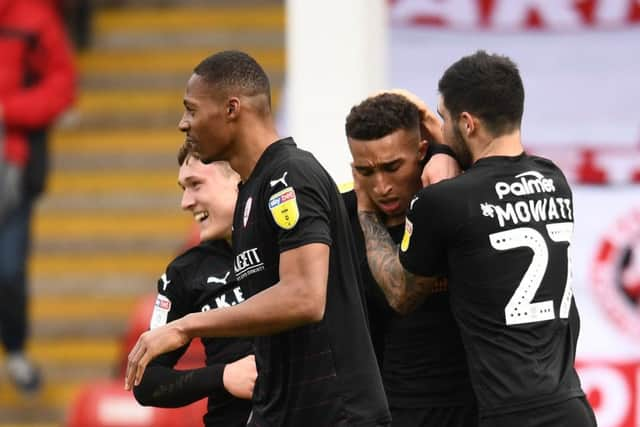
column 406, row 238
column 160, row 311
column 284, row 208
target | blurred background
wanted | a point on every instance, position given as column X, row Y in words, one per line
column 109, row 220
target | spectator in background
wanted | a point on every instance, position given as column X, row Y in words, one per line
column 37, row 83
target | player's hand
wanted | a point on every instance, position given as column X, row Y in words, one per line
column 365, row 204
column 430, row 124
column 439, row 167
column 239, row 377
column 151, row 344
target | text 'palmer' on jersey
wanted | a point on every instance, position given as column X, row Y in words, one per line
column 325, row 373
column 501, row 233
column 199, row 280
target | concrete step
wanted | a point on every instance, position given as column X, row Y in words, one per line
column 133, row 202
column 148, row 81
column 78, row 162
column 89, row 284
column 80, row 308
column 181, row 19
column 124, row 142
column 184, row 3
column 96, row 183
column 111, row 226
column 165, row 60
column 213, row 39
column 59, row 266
column 119, row 109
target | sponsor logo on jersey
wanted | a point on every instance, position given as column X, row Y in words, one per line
column 219, row 280
column 247, row 211
column 527, row 183
column 280, row 180
column 616, row 273
column 227, row 299
column 406, row 238
column 412, row 202
column 284, row 208
column 246, row 263
column 161, row 310
column 165, row 281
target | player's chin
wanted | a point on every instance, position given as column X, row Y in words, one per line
column 210, row 233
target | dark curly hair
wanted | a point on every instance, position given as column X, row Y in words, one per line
column 488, row 86
column 381, row 115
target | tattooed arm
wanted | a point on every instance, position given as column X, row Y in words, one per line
column 404, row 291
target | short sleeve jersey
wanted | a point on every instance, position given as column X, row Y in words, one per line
column 423, row 362
column 325, row 373
column 202, row 279
column 501, row 233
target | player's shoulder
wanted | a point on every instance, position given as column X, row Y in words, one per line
column 349, row 199
column 192, row 258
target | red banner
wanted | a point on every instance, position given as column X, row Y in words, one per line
column 613, row 388
column 516, row 14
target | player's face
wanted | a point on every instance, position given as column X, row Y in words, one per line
column 388, row 170
column 209, row 192
column 453, row 137
column 204, row 120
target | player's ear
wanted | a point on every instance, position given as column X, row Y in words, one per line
column 422, row 149
column 466, row 124
column 233, row 107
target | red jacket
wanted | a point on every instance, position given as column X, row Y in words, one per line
column 37, row 73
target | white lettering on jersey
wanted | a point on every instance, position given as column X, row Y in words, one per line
column 165, row 282
column 220, row 280
column 525, row 211
column 247, row 263
column 529, row 182
column 161, row 310
column 275, row 182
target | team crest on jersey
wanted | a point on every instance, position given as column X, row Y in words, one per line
column 247, row 211
column 284, row 208
column 406, row 238
column 616, row 273
column 161, row 310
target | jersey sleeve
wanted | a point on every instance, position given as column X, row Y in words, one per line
column 171, row 304
column 422, row 249
column 298, row 205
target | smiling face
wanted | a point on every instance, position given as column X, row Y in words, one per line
column 205, row 120
column 209, row 193
column 389, row 170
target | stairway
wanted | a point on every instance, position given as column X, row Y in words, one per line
column 110, row 220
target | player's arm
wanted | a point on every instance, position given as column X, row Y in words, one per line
column 165, row 387
column 297, row 299
column 404, row 291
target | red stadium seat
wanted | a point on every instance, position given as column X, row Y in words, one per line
column 107, row 404
column 139, row 323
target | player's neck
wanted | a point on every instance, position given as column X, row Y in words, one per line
column 504, row 145
column 250, row 145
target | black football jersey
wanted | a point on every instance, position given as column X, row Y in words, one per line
column 202, row 279
column 325, row 373
column 421, row 357
column 501, row 233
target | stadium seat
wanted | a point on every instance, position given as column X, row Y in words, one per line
column 107, row 404
column 139, row 323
